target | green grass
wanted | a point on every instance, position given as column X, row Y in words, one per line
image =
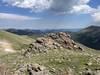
column 57, row 59
column 17, row 41
column 53, row 59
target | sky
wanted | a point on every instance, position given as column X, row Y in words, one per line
column 49, row 14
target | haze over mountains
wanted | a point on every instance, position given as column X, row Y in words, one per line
column 39, row 32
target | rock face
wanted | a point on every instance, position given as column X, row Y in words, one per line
column 59, row 40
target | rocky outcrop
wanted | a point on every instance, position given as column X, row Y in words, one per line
column 50, row 41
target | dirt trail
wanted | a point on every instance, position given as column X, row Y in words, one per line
column 6, row 46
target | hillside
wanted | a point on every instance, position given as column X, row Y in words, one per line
column 15, row 40
column 61, row 58
column 89, row 36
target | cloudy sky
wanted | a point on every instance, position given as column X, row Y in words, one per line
column 49, row 14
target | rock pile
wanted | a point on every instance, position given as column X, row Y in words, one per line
column 35, row 69
column 90, row 72
column 59, row 40
column 31, row 69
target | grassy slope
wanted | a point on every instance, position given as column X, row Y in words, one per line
column 16, row 40
column 54, row 59
column 59, row 60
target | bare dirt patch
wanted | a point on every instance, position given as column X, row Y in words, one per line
column 6, row 46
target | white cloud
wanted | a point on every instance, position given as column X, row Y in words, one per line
column 35, row 5
column 53, row 5
column 59, row 7
column 82, row 9
column 96, row 17
column 15, row 17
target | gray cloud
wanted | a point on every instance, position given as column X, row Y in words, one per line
column 67, row 6
column 57, row 6
column 53, row 5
